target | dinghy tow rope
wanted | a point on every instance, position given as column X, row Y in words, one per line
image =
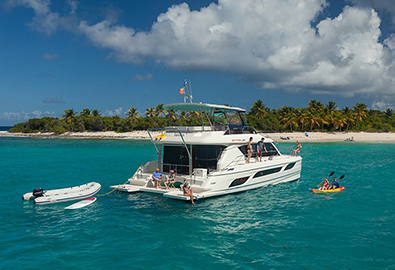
column 118, row 185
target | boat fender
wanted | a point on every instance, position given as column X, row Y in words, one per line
column 38, row 192
column 160, row 137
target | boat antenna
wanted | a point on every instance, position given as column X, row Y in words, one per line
column 186, row 92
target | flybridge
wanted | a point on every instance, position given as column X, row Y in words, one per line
column 214, row 117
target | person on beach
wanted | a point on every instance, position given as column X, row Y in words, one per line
column 170, row 180
column 188, row 191
column 296, row 148
column 261, row 147
column 335, row 184
column 324, row 185
column 249, row 150
column 157, row 177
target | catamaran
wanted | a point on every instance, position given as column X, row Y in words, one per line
column 213, row 156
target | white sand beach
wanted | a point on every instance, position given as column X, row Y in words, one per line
column 334, row 136
column 293, row 136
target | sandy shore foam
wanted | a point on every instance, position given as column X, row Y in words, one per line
column 293, row 136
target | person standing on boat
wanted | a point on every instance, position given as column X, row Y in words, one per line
column 249, row 150
column 157, row 177
column 261, row 147
column 335, row 184
column 296, row 148
column 188, row 191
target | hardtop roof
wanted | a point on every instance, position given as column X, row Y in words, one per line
column 200, row 107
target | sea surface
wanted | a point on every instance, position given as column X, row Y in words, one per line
column 279, row 227
column 5, row 128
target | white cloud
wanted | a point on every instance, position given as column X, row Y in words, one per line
column 44, row 20
column 382, row 105
column 385, row 5
column 139, row 77
column 24, row 116
column 115, row 112
column 53, row 100
column 47, row 56
column 269, row 43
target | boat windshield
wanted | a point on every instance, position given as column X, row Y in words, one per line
column 228, row 118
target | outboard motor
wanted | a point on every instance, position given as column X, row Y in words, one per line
column 38, row 192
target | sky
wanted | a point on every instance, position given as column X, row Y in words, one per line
column 114, row 55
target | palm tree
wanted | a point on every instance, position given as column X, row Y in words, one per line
column 331, row 106
column 349, row 116
column 339, row 120
column 85, row 112
column 389, row 113
column 259, row 110
column 95, row 113
column 132, row 113
column 69, row 117
column 360, row 112
column 159, row 110
column 313, row 120
column 150, row 112
column 315, row 105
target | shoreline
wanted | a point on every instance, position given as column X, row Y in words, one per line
column 293, row 136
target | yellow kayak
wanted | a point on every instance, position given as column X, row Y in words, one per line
column 328, row 190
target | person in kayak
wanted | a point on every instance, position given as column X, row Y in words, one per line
column 324, row 185
column 335, row 184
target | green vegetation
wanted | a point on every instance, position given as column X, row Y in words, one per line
column 316, row 117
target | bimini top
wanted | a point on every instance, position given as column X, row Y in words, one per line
column 198, row 107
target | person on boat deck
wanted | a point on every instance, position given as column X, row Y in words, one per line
column 261, row 147
column 324, row 185
column 170, row 179
column 296, row 148
column 335, row 184
column 188, row 191
column 249, row 149
column 157, row 177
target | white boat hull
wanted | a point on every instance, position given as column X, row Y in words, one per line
column 219, row 183
column 66, row 194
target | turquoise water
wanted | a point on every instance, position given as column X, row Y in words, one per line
column 279, row 227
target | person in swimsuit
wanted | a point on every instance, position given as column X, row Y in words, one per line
column 296, row 148
column 188, row 191
column 324, row 185
column 170, row 180
column 249, row 150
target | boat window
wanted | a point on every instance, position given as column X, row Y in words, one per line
column 290, row 166
column 239, row 181
column 243, row 149
column 220, row 122
column 203, row 156
column 267, row 172
column 234, row 118
column 271, row 150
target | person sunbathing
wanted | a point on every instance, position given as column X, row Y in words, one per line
column 188, row 191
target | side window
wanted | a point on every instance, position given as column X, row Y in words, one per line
column 271, row 150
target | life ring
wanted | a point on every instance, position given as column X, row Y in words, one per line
column 160, row 137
